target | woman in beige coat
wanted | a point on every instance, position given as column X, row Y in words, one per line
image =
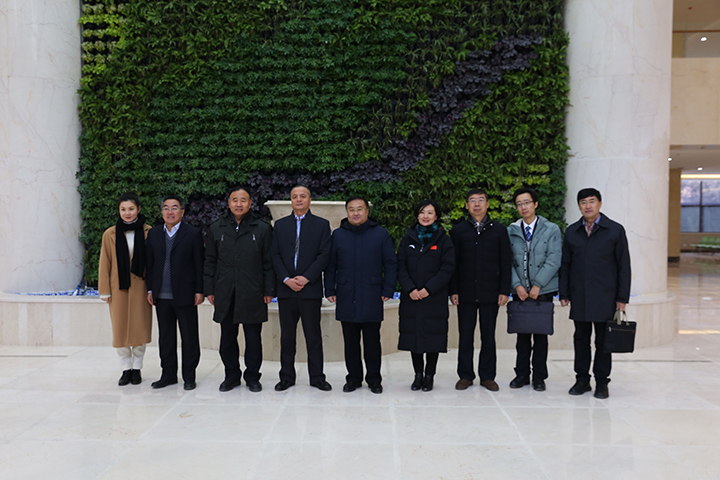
column 121, row 284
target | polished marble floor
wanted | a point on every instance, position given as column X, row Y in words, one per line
column 62, row 416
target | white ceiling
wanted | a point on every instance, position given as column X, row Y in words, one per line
column 690, row 157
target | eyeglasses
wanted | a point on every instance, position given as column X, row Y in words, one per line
column 590, row 202
column 171, row 209
column 476, row 200
column 524, row 204
column 356, row 210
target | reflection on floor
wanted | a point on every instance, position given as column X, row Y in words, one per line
column 63, row 417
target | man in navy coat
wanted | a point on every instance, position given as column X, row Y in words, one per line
column 174, row 276
column 361, row 276
column 595, row 281
column 300, row 253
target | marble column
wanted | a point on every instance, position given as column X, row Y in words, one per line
column 618, row 129
column 39, row 149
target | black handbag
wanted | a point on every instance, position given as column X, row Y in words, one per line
column 530, row 316
column 620, row 334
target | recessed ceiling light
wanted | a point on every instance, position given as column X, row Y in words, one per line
column 703, row 39
column 669, row 159
column 699, row 168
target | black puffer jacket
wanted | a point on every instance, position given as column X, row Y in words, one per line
column 424, row 323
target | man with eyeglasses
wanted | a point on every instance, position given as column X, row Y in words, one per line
column 537, row 251
column 479, row 287
column 175, row 286
column 360, row 278
column 595, row 282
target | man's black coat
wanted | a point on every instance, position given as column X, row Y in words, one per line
column 483, row 262
column 595, row 270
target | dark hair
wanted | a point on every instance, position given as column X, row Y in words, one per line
column 300, row 185
column 476, row 191
column 530, row 190
column 173, row 197
column 129, row 197
column 424, row 204
column 357, row 197
column 235, row 188
column 588, row 192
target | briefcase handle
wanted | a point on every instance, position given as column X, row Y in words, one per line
column 620, row 317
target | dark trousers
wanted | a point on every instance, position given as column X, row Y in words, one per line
column 170, row 317
column 467, row 319
column 535, row 346
column 230, row 351
column 420, row 366
column 371, row 346
column 603, row 361
column 290, row 310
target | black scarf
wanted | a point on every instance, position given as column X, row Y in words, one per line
column 123, row 255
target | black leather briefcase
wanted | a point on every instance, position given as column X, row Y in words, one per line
column 530, row 316
column 620, row 334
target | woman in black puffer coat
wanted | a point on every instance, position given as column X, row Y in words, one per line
column 426, row 261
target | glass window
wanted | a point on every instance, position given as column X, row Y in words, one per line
column 710, row 219
column 690, row 219
column 690, row 192
column 711, row 192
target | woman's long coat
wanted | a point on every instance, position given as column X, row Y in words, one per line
column 130, row 312
column 238, row 268
column 424, row 323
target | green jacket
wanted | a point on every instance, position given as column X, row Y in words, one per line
column 238, row 268
column 544, row 257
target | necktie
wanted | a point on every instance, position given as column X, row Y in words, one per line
column 528, row 234
column 297, row 241
column 589, row 228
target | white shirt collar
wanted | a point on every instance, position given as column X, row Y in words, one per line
column 173, row 230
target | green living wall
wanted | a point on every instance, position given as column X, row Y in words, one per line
column 396, row 100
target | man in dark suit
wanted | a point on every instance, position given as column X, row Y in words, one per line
column 479, row 287
column 300, row 252
column 595, row 281
column 175, row 285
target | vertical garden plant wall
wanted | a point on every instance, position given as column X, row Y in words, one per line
column 397, row 100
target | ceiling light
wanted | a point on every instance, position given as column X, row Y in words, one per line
column 703, row 39
column 699, row 168
column 669, row 159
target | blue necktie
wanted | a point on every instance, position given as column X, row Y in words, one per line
column 528, row 235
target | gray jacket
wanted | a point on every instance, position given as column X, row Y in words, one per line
column 544, row 257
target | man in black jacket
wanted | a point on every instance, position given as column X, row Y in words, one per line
column 595, row 281
column 480, row 285
column 174, row 276
column 300, row 253
column 239, row 282
column 361, row 276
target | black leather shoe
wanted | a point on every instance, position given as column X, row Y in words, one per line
column 375, row 388
column 351, row 386
column 283, row 385
column 321, row 385
column 579, row 388
column 228, row 385
column 417, row 383
column 255, row 386
column 125, row 378
column 164, row 382
column 519, row 381
column 539, row 385
column 601, row 391
column 189, row 385
column 427, row 383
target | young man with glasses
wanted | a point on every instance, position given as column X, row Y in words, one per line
column 537, row 252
